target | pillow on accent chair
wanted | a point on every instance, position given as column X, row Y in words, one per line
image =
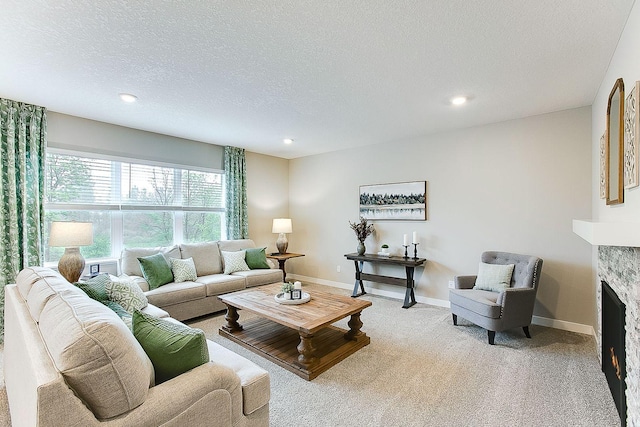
column 96, row 287
column 156, row 270
column 173, row 348
column 256, row 258
column 494, row 277
column 234, row 261
column 183, row 270
column 127, row 293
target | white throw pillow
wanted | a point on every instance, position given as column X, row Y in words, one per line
column 183, row 270
column 127, row 293
column 494, row 277
column 234, row 261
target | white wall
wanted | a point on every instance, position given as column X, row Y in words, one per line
column 625, row 63
column 512, row 186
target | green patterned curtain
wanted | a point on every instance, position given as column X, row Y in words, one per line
column 23, row 130
column 236, row 193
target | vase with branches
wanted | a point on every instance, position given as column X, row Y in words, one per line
column 362, row 230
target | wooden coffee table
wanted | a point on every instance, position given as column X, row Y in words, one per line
column 300, row 338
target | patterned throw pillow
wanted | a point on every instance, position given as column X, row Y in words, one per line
column 183, row 270
column 125, row 292
column 234, row 261
column 95, row 287
column 173, row 348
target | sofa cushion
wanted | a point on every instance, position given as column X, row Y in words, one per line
column 127, row 293
column 206, row 257
column 260, row 277
column 174, row 293
column 173, row 348
column 494, row 277
column 183, row 270
column 480, row 302
column 156, row 270
column 234, row 261
column 253, row 379
column 218, row 284
column 43, row 290
column 96, row 353
column 129, row 264
column 256, row 258
column 235, row 245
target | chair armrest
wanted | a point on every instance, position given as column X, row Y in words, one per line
column 464, row 282
column 211, row 390
column 517, row 305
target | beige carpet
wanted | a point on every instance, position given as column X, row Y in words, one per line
column 420, row 370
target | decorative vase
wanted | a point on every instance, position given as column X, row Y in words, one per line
column 287, row 295
column 361, row 248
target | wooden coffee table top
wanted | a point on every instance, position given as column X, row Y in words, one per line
column 324, row 308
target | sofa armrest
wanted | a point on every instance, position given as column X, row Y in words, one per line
column 210, row 391
column 464, row 282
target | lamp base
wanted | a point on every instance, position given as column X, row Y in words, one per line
column 282, row 243
column 71, row 264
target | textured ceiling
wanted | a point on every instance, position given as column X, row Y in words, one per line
column 331, row 74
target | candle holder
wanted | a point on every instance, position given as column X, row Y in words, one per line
column 406, row 255
column 415, row 250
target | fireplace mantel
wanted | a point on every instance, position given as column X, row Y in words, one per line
column 625, row 234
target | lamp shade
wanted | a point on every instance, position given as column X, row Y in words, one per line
column 282, row 225
column 70, row 234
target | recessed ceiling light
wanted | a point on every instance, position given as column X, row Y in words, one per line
column 459, row 100
column 127, row 97
column 288, row 141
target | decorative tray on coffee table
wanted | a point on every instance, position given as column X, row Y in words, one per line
column 280, row 299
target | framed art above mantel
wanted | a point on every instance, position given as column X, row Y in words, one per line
column 402, row 201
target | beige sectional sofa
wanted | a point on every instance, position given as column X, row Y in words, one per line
column 69, row 360
column 191, row 299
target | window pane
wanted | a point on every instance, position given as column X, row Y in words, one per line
column 71, row 179
column 147, row 229
column 202, row 226
column 148, row 185
column 101, row 220
column 201, row 189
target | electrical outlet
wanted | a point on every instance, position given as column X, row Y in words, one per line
column 338, row 269
column 451, row 284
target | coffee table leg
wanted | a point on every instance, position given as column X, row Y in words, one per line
column 306, row 350
column 232, row 317
column 354, row 327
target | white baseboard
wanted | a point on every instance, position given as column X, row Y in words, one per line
column 537, row 320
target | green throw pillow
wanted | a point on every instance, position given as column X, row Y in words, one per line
column 494, row 277
column 96, row 287
column 156, row 270
column 256, row 258
column 172, row 347
column 120, row 311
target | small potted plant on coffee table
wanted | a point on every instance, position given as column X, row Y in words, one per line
column 286, row 290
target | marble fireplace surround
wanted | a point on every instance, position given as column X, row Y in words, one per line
column 619, row 265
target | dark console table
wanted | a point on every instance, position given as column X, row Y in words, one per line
column 409, row 265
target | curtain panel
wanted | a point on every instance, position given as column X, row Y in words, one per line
column 23, row 130
column 237, row 218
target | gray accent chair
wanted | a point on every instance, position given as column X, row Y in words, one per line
column 499, row 311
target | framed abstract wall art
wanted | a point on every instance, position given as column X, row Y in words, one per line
column 404, row 201
column 631, row 135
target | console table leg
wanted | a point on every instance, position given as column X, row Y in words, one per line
column 409, row 295
column 359, row 266
column 306, row 350
column 354, row 327
column 232, row 317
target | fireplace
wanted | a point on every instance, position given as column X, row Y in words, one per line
column 613, row 348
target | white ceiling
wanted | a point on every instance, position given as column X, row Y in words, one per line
column 331, row 74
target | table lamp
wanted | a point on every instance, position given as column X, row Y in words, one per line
column 71, row 235
column 282, row 226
